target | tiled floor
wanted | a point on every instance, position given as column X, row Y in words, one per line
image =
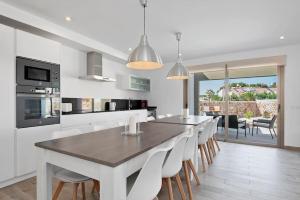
column 239, row 172
column 263, row 136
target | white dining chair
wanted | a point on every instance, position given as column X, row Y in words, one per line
column 173, row 165
column 189, row 151
column 148, row 183
column 169, row 115
column 215, row 129
column 202, row 141
column 161, row 116
column 151, row 118
column 211, row 138
column 66, row 176
column 210, row 144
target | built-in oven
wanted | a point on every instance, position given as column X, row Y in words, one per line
column 37, row 106
column 37, row 73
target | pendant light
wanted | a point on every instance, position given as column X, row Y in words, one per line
column 178, row 71
column 143, row 57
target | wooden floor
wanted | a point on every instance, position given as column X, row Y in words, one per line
column 239, row 172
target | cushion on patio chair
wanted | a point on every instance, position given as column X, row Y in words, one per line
column 264, row 125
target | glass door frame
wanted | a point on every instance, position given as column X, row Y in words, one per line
column 280, row 110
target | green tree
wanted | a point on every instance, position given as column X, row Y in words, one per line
column 273, row 85
column 234, row 97
column 248, row 96
column 210, row 93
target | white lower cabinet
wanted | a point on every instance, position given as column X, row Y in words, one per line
column 7, row 102
column 26, row 154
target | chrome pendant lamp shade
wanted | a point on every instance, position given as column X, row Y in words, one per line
column 178, row 71
column 144, row 57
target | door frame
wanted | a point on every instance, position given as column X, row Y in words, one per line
column 280, row 103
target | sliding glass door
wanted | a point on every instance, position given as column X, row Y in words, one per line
column 253, row 105
column 246, row 100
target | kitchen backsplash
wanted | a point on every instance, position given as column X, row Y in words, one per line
column 90, row 105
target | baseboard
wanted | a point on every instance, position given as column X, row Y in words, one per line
column 16, row 180
column 292, row 148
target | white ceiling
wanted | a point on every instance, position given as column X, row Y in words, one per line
column 209, row 27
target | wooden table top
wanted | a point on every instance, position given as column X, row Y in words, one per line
column 194, row 120
column 109, row 147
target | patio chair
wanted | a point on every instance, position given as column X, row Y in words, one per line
column 233, row 123
column 237, row 124
column 221, row 122
column 265, row 123
column 209, row 113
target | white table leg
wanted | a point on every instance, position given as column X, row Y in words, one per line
column 113, row 183
column 44, row 176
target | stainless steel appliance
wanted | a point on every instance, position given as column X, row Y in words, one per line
column 38, row 93
column 152, row 111
column 37, row 106
column 37, row 73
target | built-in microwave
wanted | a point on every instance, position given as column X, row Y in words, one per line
column 37, row 73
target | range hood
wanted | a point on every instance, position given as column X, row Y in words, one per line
column 94, row 68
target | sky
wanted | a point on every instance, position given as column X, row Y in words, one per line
column 216, row 84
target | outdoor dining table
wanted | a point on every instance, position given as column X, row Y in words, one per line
column 106, row 155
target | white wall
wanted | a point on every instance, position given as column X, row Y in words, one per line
column 167, row 94
column 73, row 65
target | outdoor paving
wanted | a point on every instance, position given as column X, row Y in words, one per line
column 263, row 136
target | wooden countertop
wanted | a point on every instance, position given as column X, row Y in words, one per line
column 194, row 120
column 109, row 147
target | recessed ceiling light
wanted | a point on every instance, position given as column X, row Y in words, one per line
column 129, row 49
column 68, row 19
column 282, row 37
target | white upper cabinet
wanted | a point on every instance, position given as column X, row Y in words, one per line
column 7, row 102
column 36, row 47
column 138, row 83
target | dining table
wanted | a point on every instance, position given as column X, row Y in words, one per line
column 194, row 120
column 107, row 155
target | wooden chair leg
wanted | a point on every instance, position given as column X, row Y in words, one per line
column 206, row 154
column 75, row 189
column 191, row 165
column 212, row 147
column 187, row 178
column 170, row 190
column 209, row 152
column 83, row 190
column 202, row 157
column 96, row 186
column 58, row 190
column 180, row 187
column 216, row 142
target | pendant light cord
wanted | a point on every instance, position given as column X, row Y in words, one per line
column 178, row 48
column 144, row 19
